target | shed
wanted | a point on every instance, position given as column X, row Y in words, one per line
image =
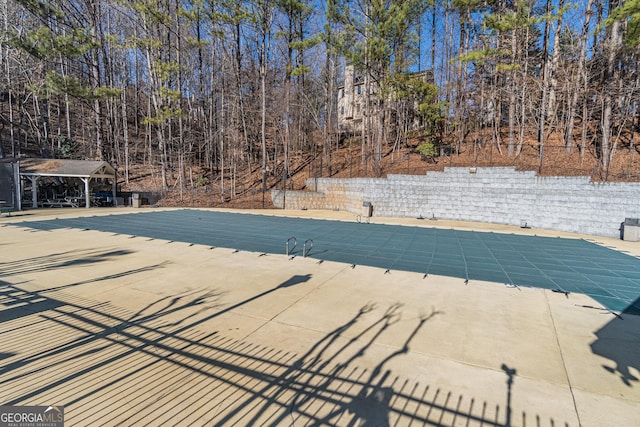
column 85, row 170
column 9, row 186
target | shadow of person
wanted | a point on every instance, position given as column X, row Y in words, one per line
column 371, row 408
column 616, row 341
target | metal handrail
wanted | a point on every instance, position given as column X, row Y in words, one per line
column 304, row 248
column 295, row 243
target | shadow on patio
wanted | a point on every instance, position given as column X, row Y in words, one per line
column 112, row 367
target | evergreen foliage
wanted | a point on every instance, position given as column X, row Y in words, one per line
column 226, row 88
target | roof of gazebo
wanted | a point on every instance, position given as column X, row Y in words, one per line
column 66, row 168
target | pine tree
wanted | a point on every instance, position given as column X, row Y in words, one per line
column 60, row 39
column 380, row 41
column 629, row 13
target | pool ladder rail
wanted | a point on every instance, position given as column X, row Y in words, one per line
column 295, row 243
column 289, row 250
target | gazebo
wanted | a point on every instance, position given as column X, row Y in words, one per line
column 85, row 170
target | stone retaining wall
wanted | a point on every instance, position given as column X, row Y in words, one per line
column 499, row 195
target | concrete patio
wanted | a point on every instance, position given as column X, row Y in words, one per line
column 125, row 330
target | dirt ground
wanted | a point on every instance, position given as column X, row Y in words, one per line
column 347, row 162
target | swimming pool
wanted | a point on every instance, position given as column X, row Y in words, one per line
column 610, row 277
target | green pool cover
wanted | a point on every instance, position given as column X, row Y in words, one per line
column 567, row 265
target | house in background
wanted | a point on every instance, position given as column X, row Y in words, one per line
column 352, row 103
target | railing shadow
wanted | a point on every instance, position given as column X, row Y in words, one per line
column 154, row 366
column 58, row 260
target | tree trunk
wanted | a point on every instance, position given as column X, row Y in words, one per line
column 125, row 134
column 512, row 95
column 609, row 84
column 553, row 72
column 578, row 77
column 545, row 88
column 263, row 92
